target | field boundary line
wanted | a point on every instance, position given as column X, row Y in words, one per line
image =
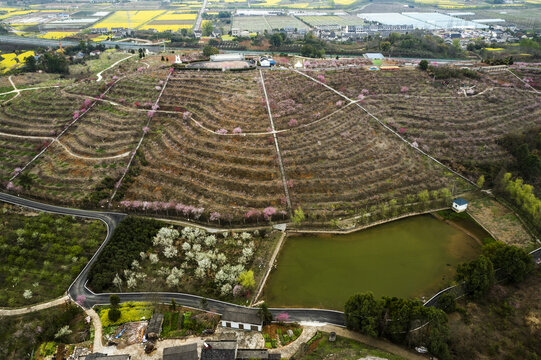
column 36, row 307
column 112, row 66
column 134, row 152
column 64, row 146
column 393, row 131
column 269, row 267
column 276, row 143
column 59, row 135
column 524, row 82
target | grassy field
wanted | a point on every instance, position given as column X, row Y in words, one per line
column 342, row 349
column 504, row 325
column 501, row 221
column 42, row 253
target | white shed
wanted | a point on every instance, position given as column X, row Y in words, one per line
column 460, row 205
column 265, row 63
column 243, row 319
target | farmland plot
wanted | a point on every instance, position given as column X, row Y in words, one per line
column 27, row 124
column 61, row 177
column 188, row 166
column 461, row 129
column 219, row 101
column 295, row 100
column 348, row 163
column 353, row 82
column 105, row 131
column 138, row 90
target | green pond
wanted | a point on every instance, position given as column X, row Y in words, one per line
column 412, row 257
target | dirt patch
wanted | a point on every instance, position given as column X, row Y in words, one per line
column 500, row 221
column 130, row 333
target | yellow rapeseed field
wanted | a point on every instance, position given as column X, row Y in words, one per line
column 128, row 19
column 14, row 13
column 12, row 60
column 344, row 2
column 175, row 15
column 56, row 34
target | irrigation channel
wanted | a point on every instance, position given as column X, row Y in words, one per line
column 78, row 287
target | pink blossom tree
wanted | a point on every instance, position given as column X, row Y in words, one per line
column 215, row 216
column 146, row 129
column 404, row 89
column 282, row 317
column 237, row 130
column 292, row 123
column 80, row 300
column 268, row 212
column 221, row 131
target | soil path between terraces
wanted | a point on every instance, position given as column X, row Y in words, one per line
column 38, row 307
column 380, row 344
column 96, row 323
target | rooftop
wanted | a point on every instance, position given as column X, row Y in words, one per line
column 242, row 315
column 182, row 352
column 460, row 201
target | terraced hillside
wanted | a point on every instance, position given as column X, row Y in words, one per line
column 206, row 149
column 220, row 102
column 347, row 162
column 188, row 165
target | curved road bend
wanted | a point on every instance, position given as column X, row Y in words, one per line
column 111, row 219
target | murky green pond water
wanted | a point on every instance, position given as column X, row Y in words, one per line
column 407, row 258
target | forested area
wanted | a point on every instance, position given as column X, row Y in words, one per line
column 42, row 253
column 132, row 236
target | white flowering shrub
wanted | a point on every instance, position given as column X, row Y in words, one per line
column 27, row 294
column 186, row 246
column 210, row 240
column 245, row 236
column 170, row 251
column 153, row 258
column 131, row 282
column 165, row 237
column 226, row 289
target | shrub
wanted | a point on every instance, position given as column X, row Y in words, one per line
column 447, row 302
column 114, row 314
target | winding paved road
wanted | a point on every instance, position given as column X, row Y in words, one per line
column 112, row 219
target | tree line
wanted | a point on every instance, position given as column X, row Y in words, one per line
column 410, row 323
column 130, row 237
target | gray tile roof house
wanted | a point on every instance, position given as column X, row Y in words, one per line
column 219, row 350
column 242, row 318
column 227, row 350
column 182, row 352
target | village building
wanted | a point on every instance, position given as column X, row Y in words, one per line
column 182, row 352
column 460, row 205
column 243, row 319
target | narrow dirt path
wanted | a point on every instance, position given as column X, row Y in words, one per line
column 112, row 66
column 65, row 147
column 269, row 266
column 286, row 191
column 96, row 323
column 38, row 307
column 380, row 344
